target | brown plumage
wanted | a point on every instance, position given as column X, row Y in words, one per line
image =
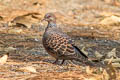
column 58, row 44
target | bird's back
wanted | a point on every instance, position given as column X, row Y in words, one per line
column 52, row 35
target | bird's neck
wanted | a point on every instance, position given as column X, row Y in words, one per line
column 51, row 24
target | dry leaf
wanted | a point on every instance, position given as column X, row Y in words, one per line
column 15, row 31
column 3, row 59
column 113, row 60
column 111, row 72
column 112, row 53
column 7, row 49
column 105, row 76
column 108, row 1
column 116, row 64
column 98, row 55
column 26, row 20
column 83, row 50
column 110, row 20
column 88, row 70
column 28, row 69
column 92, row 78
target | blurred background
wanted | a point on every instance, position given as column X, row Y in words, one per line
column 98, row 18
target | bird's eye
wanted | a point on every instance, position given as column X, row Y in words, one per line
column 48, row 16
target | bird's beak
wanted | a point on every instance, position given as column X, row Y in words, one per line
column 43, row 20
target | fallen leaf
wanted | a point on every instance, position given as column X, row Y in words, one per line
column 111, row 71
column 116, row 64
column 83, row 50
column 26, row 20
column 110, row 20
column 92, row 78
column 7, row 49
column 117, row 60
column 112, row 53
column 28, row 69
column 98, row 55
column 88, row 70
column 3, row 59
column 15, row 31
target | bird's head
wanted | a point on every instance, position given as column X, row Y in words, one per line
column 49, row 17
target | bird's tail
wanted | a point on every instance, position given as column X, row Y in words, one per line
column 79, row 54
column 81, row 57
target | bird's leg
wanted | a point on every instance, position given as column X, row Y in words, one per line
column 62, row 61
column 55, row 61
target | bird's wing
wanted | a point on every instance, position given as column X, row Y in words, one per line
column 63, row 45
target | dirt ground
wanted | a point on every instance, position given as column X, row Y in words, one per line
column 93, row 24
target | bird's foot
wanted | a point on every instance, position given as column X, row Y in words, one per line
column 62, row 62
column 55, row 61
